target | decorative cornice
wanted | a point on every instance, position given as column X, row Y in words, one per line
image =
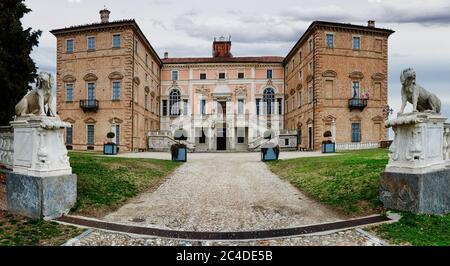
column 69, row 120
column 90, row 77
column 329, row 74
column 378, row 77
column 69, row 78
column 356, row 75
column 355, row 118
column 329, row 118
column 115, row 120
column 90, row 120
column 377, row 119
column 202, row 90
column 241, row 91
column 115, row 75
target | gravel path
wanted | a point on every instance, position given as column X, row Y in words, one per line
column 223, row 192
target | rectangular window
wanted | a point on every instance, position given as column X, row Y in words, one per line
column 286, row 142
column 292, row 103
column 117, row 134
column 175, row 75
column 240, row 106
column 311, row 45
column 116, row 41
column 203, row 106
column 135, row 47
column 202, row 75
column 257, row 106
column 185, row 107
column 146, row 101
column 202, row 138
column 240, row 135
column 116, row 91
column 310, row 94
column 355, row 89
column 69, row 46
column 91, row 91
column 91, row 43
column 330, row 40
column 356, row 42
column 90, row 135
column 310, row 67
column 269, row 73
column 286, row 106
column 241, row 75
column 280, row 107
column 356, row 132
column 69, row 92
column 164, row 107
column 299, row 98
column 300, row 57
column 146, row 59
column 222, row 75
column 69, row 135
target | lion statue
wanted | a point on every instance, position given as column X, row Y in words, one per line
column 34, row 101
column 421, row 99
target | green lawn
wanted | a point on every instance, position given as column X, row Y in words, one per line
column 16, row 230
column 348, row 181
column 105, row 183
column 417, row 230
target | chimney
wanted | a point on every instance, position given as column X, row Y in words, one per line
column 104, row 15
column 166, row 55
column 371, row 23
column 222, row 47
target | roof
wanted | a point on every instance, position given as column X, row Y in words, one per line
column 319, row 23
column 112, row 24
column 247, row 59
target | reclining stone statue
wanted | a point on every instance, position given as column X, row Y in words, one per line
column 421, row 99
column 34, row 101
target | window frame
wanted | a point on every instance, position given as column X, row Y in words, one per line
column 240, row 106
column 71, row 94
column 120, row 40
column 224, row 75
column 269, row 76
column 177, row 75
column 203, row 76
column 239, row 75
column 353, row 42
column 95, row 43
column 332, row 40
column 71, row 135
column 113, row 98
column 67, row 46
column 87, row 134
column 358, row 133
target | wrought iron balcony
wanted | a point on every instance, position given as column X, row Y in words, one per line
column 89, row 105
column 357, row 103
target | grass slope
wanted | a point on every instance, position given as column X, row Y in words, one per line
column 348, row 182
column 105, row 183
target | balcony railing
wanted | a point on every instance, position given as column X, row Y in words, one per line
column 89, row 105
column 357, row 103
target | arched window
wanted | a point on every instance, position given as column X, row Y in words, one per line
column 269, row 101
column 174, row 102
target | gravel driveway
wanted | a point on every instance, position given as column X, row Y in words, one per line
column 223, row 192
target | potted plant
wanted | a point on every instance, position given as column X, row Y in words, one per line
column 328, row 146
column 110, row 148
column 179, row 150
column 269, row 150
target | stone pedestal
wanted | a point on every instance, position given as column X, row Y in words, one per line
column 39, row 148
column 41, row 184
column 417, row 177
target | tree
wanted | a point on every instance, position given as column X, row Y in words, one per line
column 17, row 69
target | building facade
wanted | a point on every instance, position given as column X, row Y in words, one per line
column 332, row 82
column 224, row 102
column 108, row 80
column 336, row 81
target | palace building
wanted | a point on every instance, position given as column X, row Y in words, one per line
column 110, row 79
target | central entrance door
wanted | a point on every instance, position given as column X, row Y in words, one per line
column 222, row 131
column 221, row 139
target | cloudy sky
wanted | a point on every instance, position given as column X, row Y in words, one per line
column 263, row 27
